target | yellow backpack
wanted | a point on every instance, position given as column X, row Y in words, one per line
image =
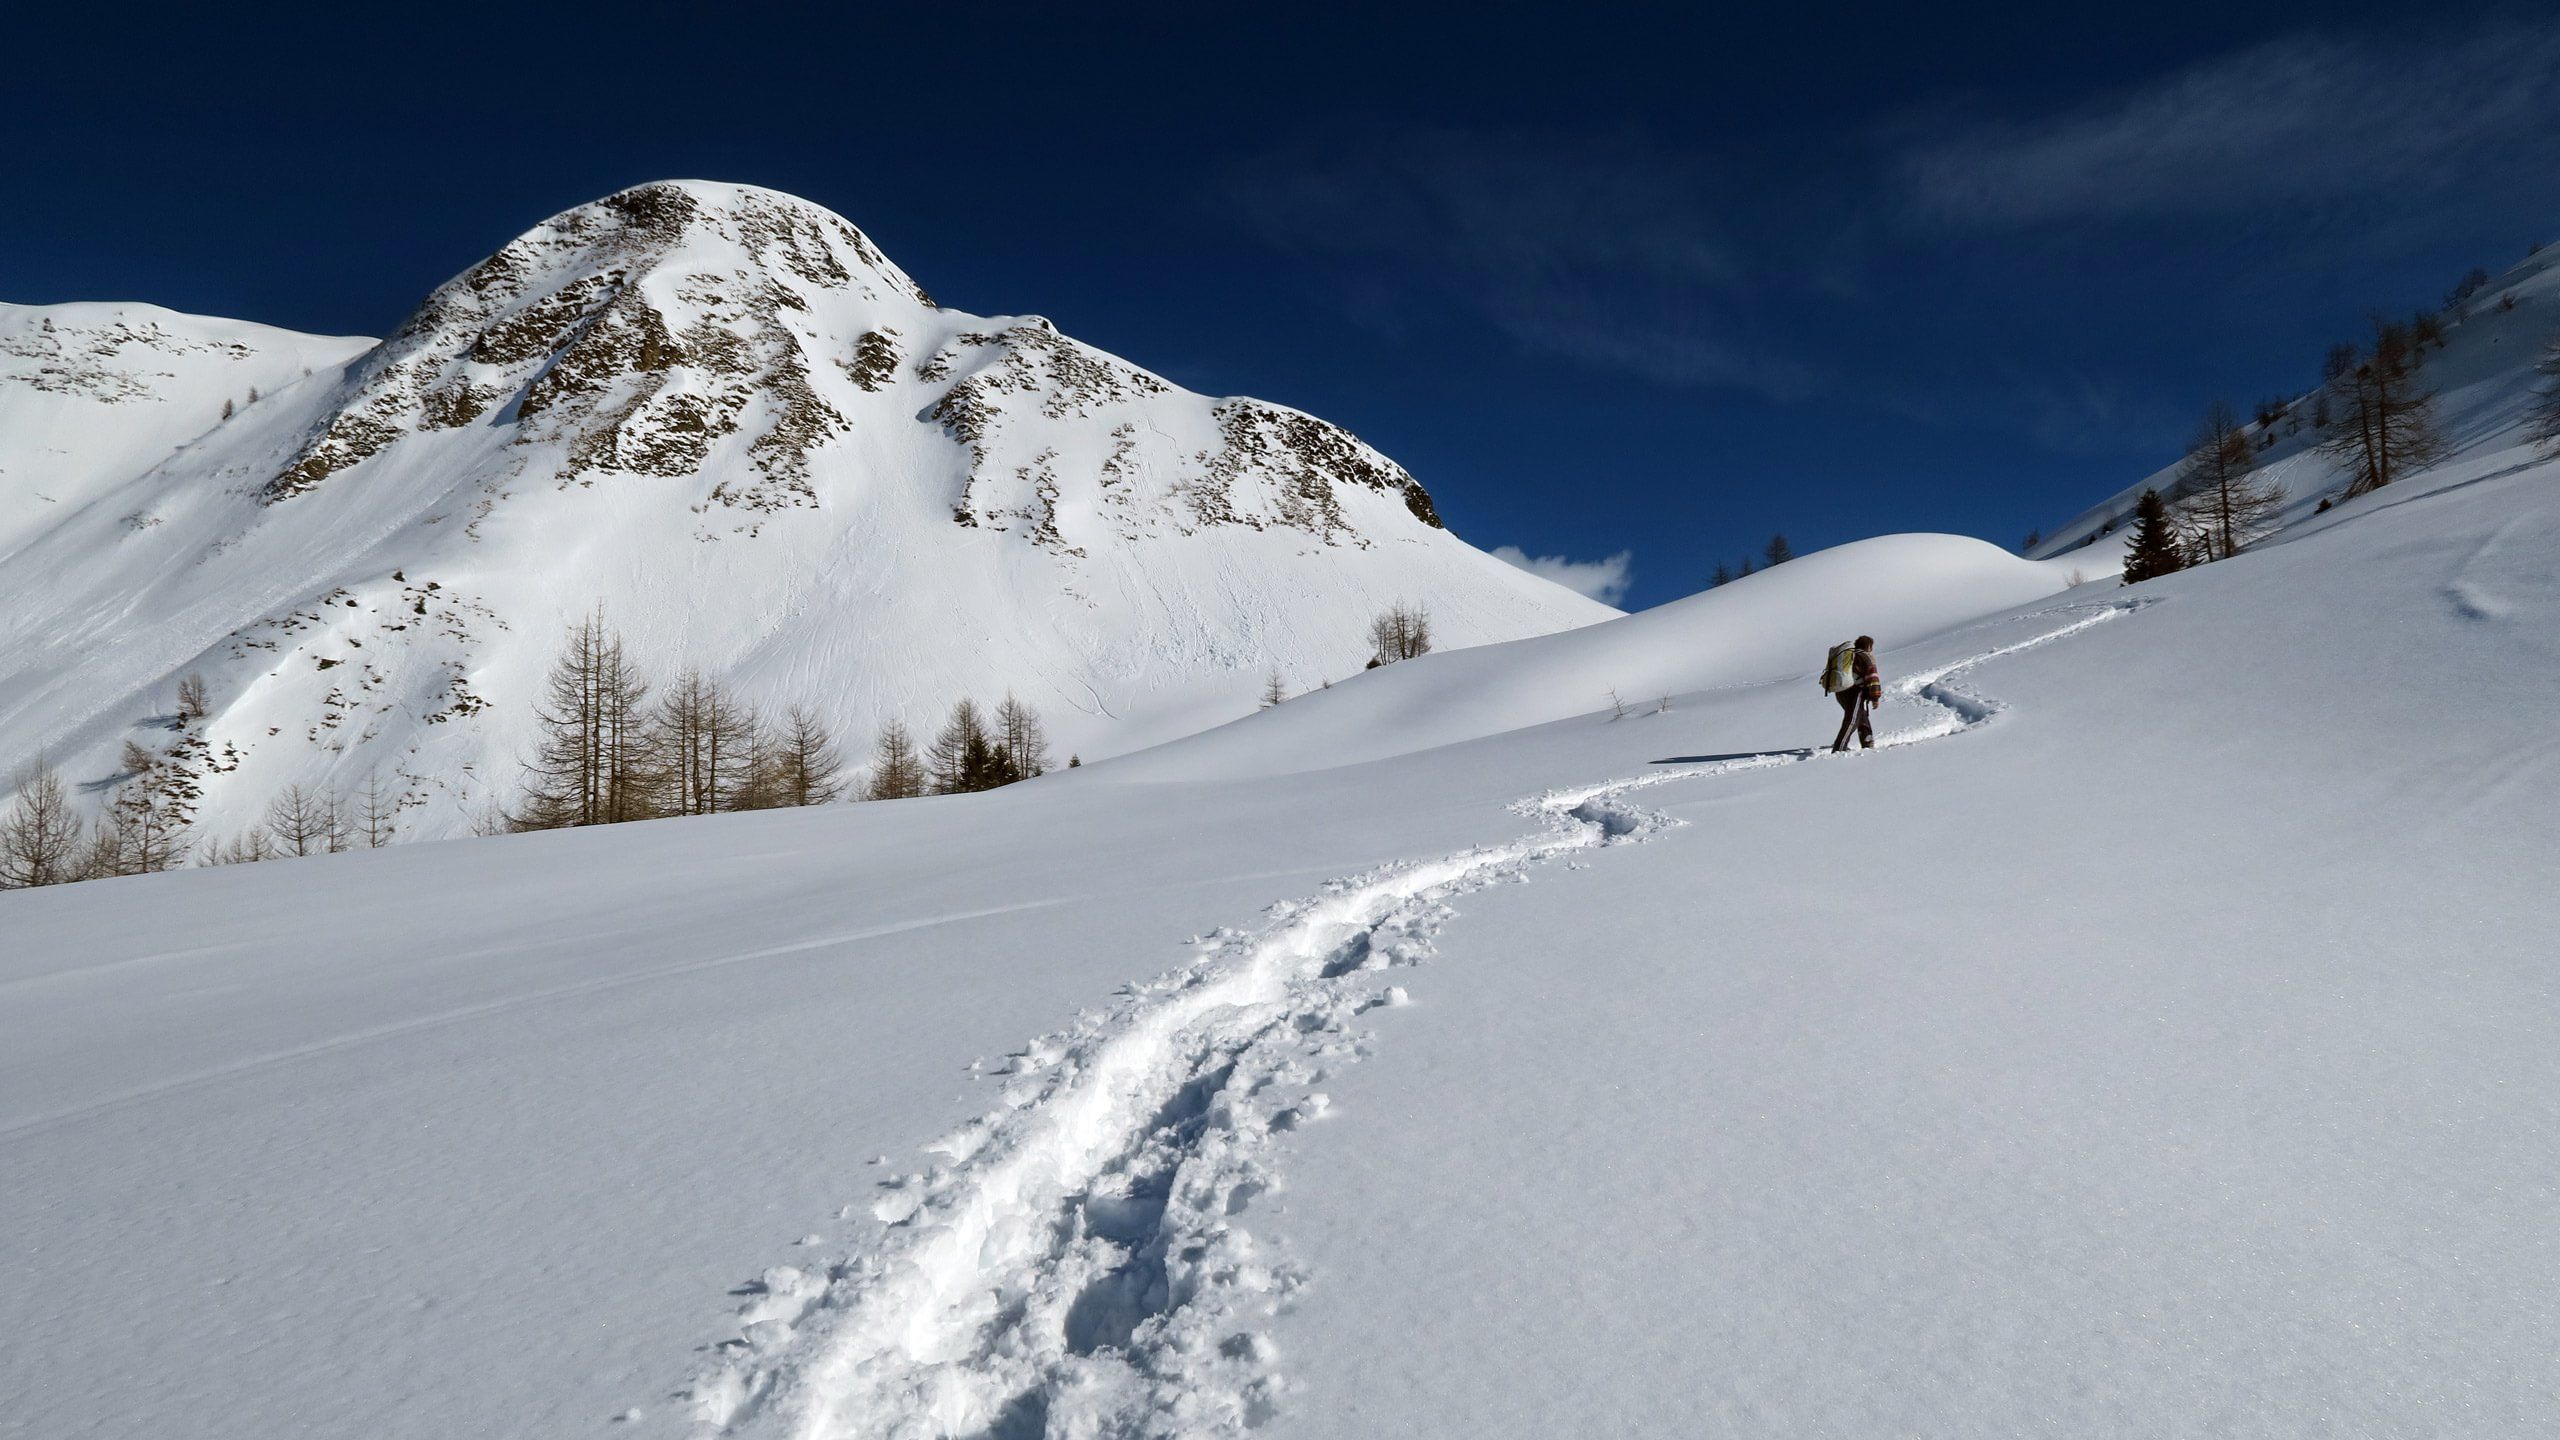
column 1840, row 667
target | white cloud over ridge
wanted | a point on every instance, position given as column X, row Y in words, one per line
column 1603, row 580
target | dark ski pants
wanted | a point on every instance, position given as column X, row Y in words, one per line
column 1854, row 714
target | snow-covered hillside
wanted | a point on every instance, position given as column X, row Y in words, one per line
column 723, row 415
column 2483, row 379
column 1773, row 624
column 92, row 396
column 2153, row 1038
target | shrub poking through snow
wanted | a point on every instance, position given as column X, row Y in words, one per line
column 1402, row 632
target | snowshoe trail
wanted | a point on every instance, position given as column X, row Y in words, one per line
column 1078, row 1261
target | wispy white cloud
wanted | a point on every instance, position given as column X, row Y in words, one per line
column 1600, row 250
column 2298, row 118
column 1603, row 580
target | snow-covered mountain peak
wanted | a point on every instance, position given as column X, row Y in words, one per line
column 636, row 332
column 686, row 327
column 721, row 414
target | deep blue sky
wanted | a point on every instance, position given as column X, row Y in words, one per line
column 1606, row 280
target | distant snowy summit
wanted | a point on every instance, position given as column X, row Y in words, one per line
column 722, row 414
column 693, row 330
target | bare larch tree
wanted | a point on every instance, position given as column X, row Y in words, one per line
column 1403, row 632
column 1024, row 741
column 2383, row 417
column 803, row 764
column 40, row 842
column 591, row 766
column 2223, row 500
column 896, row 772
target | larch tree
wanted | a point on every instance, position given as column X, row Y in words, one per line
column 896, row 771
column 1022, row 738
column 148, row 821
column 2226, row 503
column 1777, row 552
column 803, row 762
column 247, row 848
column 2384, row 417
column 958, row 758
column 41, row 840
column 298, row 822
column 704, row 744
column 1401, row 632
column 1273, row 690
column 377, row 812
column 592, row 764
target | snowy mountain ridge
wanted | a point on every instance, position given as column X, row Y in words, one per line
column 722, row 414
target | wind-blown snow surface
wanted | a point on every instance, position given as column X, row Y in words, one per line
column 723, row 415
column 2156, row 1042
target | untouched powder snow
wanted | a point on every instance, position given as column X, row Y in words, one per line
column 2151, row 1038
column 1777, row 623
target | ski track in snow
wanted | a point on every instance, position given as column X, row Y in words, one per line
column 1076, row 1262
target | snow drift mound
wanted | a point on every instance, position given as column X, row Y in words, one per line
column 1776, row 623
column 722, row 414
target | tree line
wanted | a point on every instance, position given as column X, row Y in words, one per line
column 1774, row 554
column 148, row 822
column 611, row 747
column 607, row 753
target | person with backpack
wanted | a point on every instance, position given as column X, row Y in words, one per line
column 1849, row 675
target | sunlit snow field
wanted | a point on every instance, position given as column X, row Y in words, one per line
column 2158, row 1042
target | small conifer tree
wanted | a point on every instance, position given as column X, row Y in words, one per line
column 2154, row 551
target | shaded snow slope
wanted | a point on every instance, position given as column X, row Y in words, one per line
column 2156, row 1040
column 1778, row 622
column 722, row 414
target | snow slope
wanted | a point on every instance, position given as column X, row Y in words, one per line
column 1776, row 623
column 723, row 415
column 2153, row 1038
column 2484, row 379
column 92, row 396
